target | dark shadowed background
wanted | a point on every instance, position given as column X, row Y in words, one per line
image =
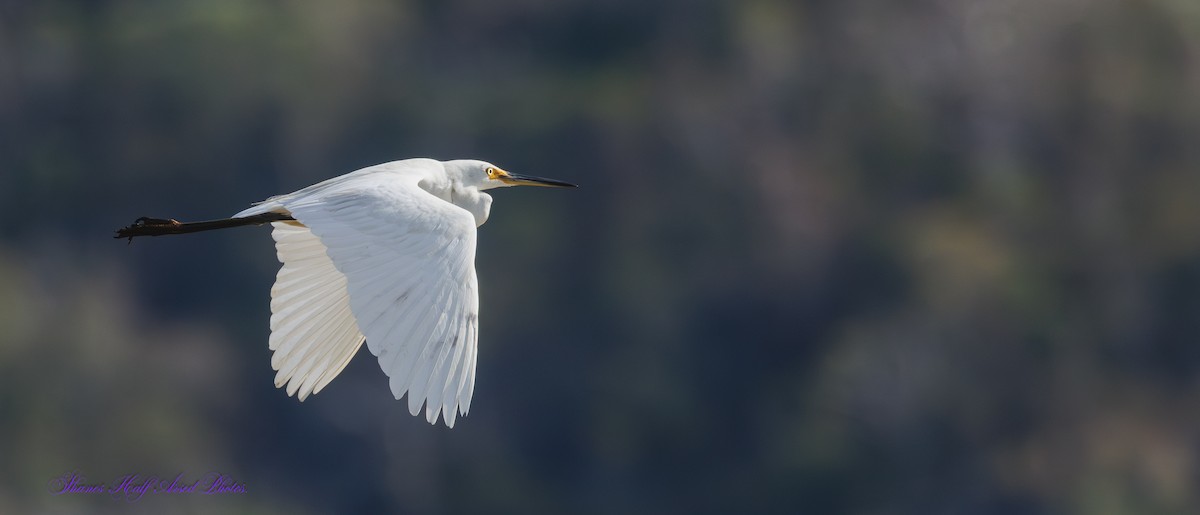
column 849, row 256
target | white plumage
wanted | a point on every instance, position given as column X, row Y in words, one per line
column 385, row 253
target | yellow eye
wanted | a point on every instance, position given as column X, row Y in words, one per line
column 491, row 173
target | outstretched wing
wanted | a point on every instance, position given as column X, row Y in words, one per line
column 408, row 258
column 313, row 333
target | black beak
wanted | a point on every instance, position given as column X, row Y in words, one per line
column 525, row 180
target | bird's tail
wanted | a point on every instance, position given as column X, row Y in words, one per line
column 146, row 226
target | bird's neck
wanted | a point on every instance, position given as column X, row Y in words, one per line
column 478, row 203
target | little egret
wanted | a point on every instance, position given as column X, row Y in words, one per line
column 384, row 254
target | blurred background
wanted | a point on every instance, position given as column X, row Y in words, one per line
column 922, row 257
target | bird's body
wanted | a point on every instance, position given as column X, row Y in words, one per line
column 449, row 184
column 384, row 254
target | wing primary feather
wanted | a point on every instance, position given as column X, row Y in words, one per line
column 300, row 329
column 422, row 332
column 449, row 397
column 471, row 369
column 396, row 359
column 313, row 330
column 443, row 370
column 433, row 396
column 464, row 367
column 333, row 372
column 313, row 368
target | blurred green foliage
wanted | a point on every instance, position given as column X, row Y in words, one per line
column 923, row 257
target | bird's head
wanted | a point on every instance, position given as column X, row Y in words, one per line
column 485, row 176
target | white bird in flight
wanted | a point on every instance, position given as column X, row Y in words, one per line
column 386, row 255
